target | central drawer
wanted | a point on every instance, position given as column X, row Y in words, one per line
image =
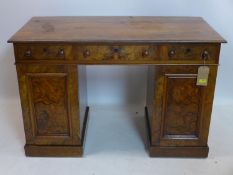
column 111, row 53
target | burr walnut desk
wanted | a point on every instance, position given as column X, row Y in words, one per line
column 51, row 54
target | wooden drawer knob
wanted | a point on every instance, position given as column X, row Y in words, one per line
column 61, row 52
column 145, row 53
column 171, row 53
column 86, row 53
column 28, row 53
column 205, row 55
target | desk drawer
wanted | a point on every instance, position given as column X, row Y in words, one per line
column 43, row 51
column 120, row 53
column 190, row 52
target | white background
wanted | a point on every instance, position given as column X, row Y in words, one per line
column 109, row 85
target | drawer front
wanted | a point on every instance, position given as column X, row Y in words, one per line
column 190, row 52
column 43, row 52
column 111, row 53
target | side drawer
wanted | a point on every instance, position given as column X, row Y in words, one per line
column 43, row 52
column 190, row 52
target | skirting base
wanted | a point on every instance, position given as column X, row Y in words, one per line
column 53, row 151
column 155, row 151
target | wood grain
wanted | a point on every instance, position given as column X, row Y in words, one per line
column 43, row 52
column 182, row 101
column 49, row 99
column 182, row 110
column 117, row 29
column 126, row 53
column 172, row 151
column 49, row 104
column 118, row 53
column 59, row 150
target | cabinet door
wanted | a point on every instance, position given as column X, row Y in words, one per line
column 182, row 109
column 49, row 103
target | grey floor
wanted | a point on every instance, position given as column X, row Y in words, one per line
column 114, row 146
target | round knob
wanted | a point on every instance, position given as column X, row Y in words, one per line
column 28, row 53
column 145, row 53
column 171, row 53
column 205, row 55
column 86, row 53
column 61, row 52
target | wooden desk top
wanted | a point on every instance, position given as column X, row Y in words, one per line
column 117, row 29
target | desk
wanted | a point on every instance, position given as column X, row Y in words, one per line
column 51, row 54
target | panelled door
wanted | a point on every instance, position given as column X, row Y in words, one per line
column 182, row 108
column 50, row 104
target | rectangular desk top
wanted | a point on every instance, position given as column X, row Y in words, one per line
column 117, row 29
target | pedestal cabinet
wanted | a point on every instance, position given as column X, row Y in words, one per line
column 51, row 55
column 53, row 108
column 180, row 111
